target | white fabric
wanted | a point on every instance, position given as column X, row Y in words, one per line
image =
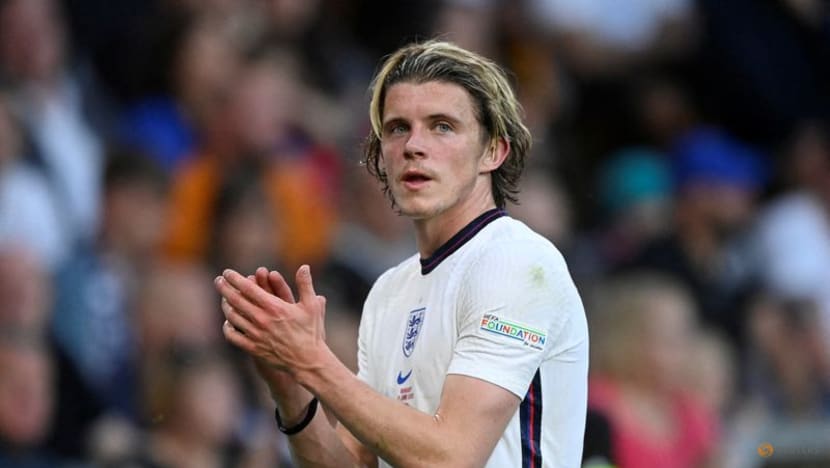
column 512, row 273
column 28, row 215
column 793, row 237
column 630, row 24
column 72, row 152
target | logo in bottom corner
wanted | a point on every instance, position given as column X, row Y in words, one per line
column 413, row 328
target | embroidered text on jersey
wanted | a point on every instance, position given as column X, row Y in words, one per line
column 517, row 331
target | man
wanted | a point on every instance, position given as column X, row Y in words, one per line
column 473, row 352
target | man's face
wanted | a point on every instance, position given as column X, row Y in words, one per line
column 433, row 149
column 31, row 39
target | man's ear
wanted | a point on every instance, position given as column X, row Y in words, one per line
column 495, row 154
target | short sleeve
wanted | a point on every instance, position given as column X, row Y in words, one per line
column 514, row 301
column 362, row 361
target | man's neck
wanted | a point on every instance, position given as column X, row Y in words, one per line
column 431, row 233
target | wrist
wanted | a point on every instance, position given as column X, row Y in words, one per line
column 293, row 428
column 309, row 376
column 291, row 403
column 322, row 380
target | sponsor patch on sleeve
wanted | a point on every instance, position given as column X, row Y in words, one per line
column 530, row 337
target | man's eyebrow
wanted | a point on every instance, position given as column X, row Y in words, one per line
column 393, row 120
column 442, row 116
column 431, row 117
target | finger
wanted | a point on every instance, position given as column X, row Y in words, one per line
column 281, row 287
column 305, row 287
column 322, row 300
column 249, row 289
column 240, row 303
column 236, row 319
column 234, row 337
column 253, row 278
column 262, row 280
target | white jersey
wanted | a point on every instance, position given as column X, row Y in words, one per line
column 495, row 302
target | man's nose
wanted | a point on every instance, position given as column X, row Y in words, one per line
column 415, row 143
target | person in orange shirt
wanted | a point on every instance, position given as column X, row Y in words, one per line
column 251, row 136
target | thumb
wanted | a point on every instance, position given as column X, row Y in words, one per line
column 305, row 287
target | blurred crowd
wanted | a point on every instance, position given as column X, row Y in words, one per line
column 681, row 163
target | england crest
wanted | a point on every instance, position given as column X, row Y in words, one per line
column 413, row 328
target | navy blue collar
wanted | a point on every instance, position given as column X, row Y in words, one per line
column 459, row 239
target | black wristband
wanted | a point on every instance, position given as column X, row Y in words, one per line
column 309, row 415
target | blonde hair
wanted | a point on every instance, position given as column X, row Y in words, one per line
column 619, row 311
column 496, row 106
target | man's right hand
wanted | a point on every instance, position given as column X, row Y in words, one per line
column 291, row 398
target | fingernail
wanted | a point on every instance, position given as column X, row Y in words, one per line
column 226, row 272
column 217, row 280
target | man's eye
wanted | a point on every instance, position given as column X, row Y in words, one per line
column 443, row 127
column 397, row 129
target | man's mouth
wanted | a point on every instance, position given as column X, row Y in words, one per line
column 415, row 178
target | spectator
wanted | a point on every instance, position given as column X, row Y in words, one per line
column 605, row 37
column 793, row 230
column 635, row 197
column 333, row 70
column 28, row 213
column 713, row 373
column 665, row 108
column 256, row 128
column 716, row 184
column 174, row 309
column 788, row 372
column 199, row 71
column 95, row 298
column 177, row 314
column 643, row 328
column 26, row 400
column 546, row 208
column 194, row 412
column 52, row 99
column 470, row 24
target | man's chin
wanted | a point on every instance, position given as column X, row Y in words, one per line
column 414, row 211
column 417, row 205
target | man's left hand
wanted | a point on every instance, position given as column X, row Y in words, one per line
column 288, row 336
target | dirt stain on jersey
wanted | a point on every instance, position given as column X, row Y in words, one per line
column 537, row 276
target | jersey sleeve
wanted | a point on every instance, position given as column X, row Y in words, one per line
column 363, row 334
column 513, row 303
column 362, row 362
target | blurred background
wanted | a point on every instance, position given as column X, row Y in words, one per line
column 681, row 163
